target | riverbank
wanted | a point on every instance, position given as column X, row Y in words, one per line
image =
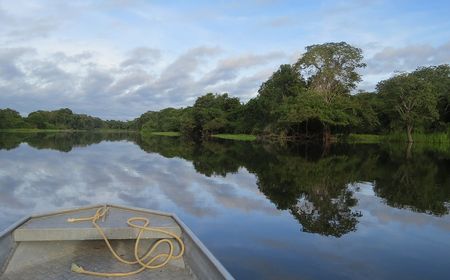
column 238, row 137
column 443, row 139
column 439, row 138
column 161, row 133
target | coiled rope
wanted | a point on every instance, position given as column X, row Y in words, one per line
column 144, row 261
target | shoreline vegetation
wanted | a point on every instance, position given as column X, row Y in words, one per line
column 436, row 138
column 161, row 133
column 312, row 100
column 440, row 139
column 238, row 137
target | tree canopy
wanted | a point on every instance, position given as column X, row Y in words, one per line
column 59, row 119
column 411, row 98
column 311, row 99
column 331, row 68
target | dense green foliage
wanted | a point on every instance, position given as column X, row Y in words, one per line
column 414, row 102
column 313, row 99
column 168, row 119
column 310, row 99
column 11, row 119
column 59, row 119
column 211, row 114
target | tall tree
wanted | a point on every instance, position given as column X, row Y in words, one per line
column 331, row 68
column 284, row 84
column 331, row 72
column 410, row 99
column 439, row 79
column 309, row 106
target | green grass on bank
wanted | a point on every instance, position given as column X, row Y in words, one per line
column 112, row 130
column 443, row 138
column 161, row 133
column 363, row 138
column 240, row 137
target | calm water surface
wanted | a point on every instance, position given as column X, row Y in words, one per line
column 294, row 212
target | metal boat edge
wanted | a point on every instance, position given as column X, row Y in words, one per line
column 203, row 263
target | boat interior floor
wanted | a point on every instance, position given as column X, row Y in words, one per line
column 52, row 260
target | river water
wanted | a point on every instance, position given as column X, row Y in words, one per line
column 265, row 211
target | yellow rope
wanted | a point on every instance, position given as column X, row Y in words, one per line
column 141, row 260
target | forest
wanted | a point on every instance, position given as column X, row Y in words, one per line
column 314, row 98
column 62, row 119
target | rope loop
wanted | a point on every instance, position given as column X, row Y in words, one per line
column 145, row 261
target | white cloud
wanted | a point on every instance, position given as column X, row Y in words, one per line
column 30, row 80
column 142, row 56
column 388, row 60
column 408, row 57
column 39, row 180
column 118, row 59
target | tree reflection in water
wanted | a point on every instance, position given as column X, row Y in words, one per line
column 316, row 187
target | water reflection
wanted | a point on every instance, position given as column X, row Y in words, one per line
column 63, row 142
column 37, row 180
column 420, row 183
column 312, row 184
column 277, row 206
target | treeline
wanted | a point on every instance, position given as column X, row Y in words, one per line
column 58, row 119
column 310, row 99
column 313, row 98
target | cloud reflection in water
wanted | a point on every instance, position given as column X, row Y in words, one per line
column 240, row 200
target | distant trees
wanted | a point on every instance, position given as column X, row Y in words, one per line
column 63, row 119
column 11, row 119
column 58, row 119
column 168, row 119
column 312, row 98
column 212, row 113
column 114, row 124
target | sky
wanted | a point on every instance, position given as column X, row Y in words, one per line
column 117, row 59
